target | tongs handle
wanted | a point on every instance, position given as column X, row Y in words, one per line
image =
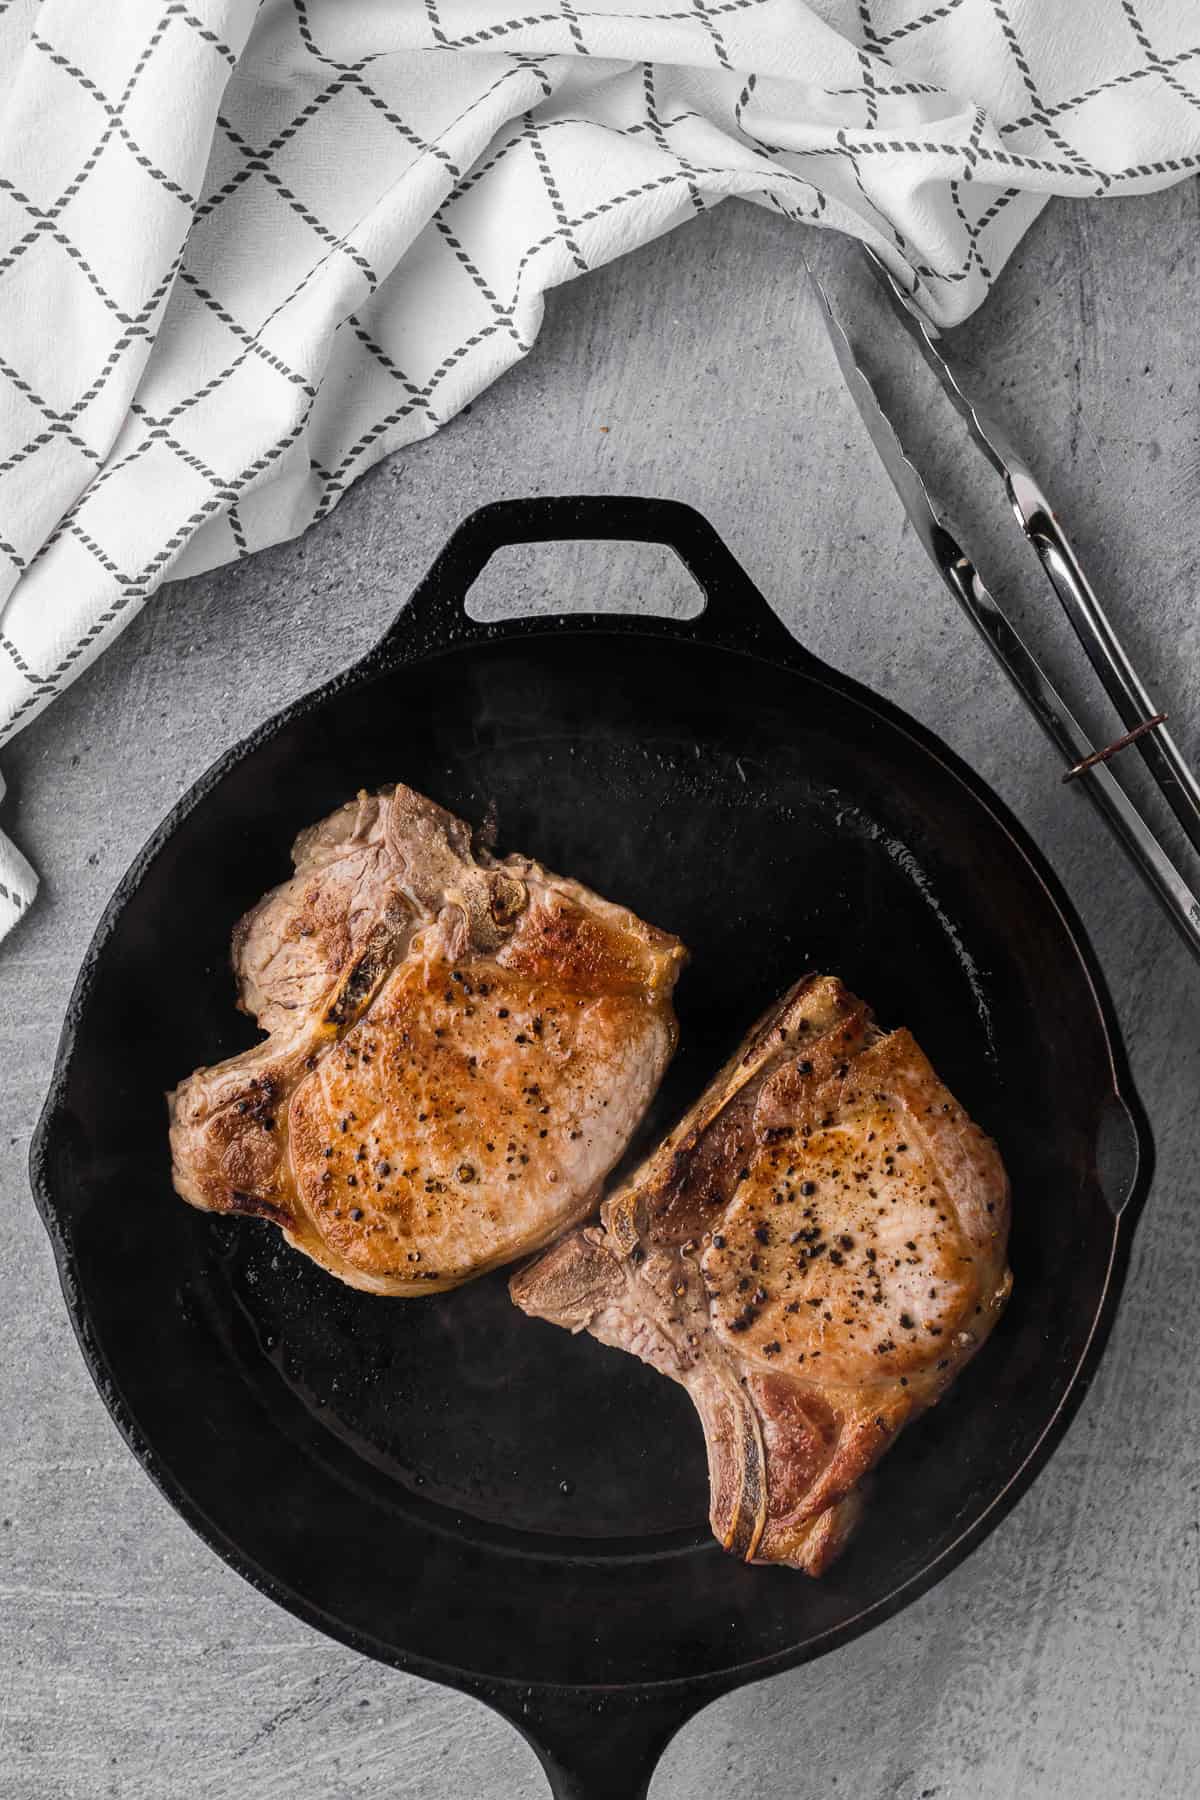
column 1023, row 669
column 1064, row 731
column 1124, row 687
column 1035, row 515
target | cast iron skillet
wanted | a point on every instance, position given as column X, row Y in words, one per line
column 443, row 1483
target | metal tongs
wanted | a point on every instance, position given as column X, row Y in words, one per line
column 1145, row 726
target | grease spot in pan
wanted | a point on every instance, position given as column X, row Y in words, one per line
column 906, row 860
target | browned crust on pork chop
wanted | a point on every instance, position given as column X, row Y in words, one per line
column 814, row 1253
column 459, row 1051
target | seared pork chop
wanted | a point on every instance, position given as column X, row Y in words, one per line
column 814, row 1253
column 459, row 1051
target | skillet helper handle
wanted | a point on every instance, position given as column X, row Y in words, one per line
column 735, row 613
column 599, row 1747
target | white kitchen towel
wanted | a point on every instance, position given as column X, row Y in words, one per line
column 248, row 249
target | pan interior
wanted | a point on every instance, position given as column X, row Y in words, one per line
column 443, row 1479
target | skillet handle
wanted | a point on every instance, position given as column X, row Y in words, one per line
column 735, row 615
column 598, row 1746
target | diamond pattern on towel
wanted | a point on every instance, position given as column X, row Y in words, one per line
column 248, row 249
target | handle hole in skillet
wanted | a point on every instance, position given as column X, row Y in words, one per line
column 584, row 575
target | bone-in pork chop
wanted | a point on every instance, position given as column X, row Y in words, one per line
column 459, row 1051
column 814, row 1253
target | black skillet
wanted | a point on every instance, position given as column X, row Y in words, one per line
column 442, row 1483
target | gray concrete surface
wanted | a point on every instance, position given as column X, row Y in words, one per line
column 1063, row 1658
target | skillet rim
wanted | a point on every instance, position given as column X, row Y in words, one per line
column 468, row 635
